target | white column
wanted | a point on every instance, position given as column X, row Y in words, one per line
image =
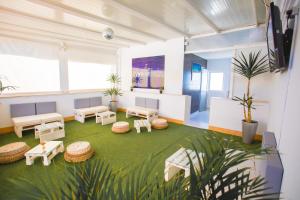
column 63, row 70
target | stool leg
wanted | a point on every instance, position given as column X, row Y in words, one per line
column 46, row 161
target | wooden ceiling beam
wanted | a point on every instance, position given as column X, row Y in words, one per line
column 32, row 31
column 227, row 31
column 254, row 11
column 137, row 13
column 98, row 34
column 91, row 17
column 39, row 39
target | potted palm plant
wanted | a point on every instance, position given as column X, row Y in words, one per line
column 114, row 91
column 249, row 68
column 2, row 87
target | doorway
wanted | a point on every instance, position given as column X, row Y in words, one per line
column 213, row 81
column 195, row 85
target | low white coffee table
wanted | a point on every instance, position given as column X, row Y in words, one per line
column 50, row 131
column 49, row 151
column 106, row 117
column 180, row 161
column 138, row 124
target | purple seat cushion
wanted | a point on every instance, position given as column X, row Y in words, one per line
column 45, row 107
column 82, row 103
column 21, row 110
column 95, row 101
column 152, row 103
column 140, row 101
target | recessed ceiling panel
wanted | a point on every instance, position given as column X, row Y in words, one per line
column 227, row 14
column 172, row 12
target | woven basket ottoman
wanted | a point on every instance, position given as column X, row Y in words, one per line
column 120, row 127
column 13, row 152
column 78, row 152
column 159, row 123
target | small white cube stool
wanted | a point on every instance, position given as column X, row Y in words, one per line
column 180, row 161
column 138, row 124
column 50, row 131
column 47, row 151
column 106, row 117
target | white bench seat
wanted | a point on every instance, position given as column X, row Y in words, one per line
column 82, row 113
column 29, row 122
column 139, row 111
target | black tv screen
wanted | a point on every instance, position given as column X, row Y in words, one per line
column 275, row 40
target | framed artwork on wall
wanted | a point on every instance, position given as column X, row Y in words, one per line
column 148, row 72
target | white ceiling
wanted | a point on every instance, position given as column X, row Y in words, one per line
column 133, row 21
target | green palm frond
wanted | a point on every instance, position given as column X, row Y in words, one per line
column 216, row 178
column 212, row 177
column 251, row 67
column 113, row 91
column 114, row 78
column 3, row 88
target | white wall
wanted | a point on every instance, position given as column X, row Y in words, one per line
column 228, row 114
column 285, row 109
column 223, row 66
column 261, row 86
column 172, row 103
column 174, row 56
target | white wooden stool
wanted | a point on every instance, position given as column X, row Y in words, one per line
column 138, row 124
column 180, row 161
column 106, row 117
column 47, row 151
column 50, row 131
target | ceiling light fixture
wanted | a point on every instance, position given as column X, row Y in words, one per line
column 108, row 34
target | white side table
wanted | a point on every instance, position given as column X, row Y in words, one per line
column 50, row 131
column 47, row 151
column 180, row 161
column 138, row 124
column 106, row 117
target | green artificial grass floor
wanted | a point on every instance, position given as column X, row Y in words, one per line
column 122, row 151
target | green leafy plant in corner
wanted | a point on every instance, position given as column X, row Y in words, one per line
column 7, row 87
column 114, row 91
column 249, row 68
column 214, row 177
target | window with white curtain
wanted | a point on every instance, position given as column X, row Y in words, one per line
column 216, row 81
column 84, row 75
column 29, row 74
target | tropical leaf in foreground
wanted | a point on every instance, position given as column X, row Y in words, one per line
column 218, row 175
column 214, row 176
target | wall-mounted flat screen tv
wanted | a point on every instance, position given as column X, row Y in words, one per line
column 278, row 52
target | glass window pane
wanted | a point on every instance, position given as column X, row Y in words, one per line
column 88, row 75
column 216, row 81
column 29, row 74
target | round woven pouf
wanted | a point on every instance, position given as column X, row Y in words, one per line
column 78, row 152
column 159, row 123
column 13, row 152
column 120, row 127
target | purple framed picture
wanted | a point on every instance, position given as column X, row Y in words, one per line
column 148, row 72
